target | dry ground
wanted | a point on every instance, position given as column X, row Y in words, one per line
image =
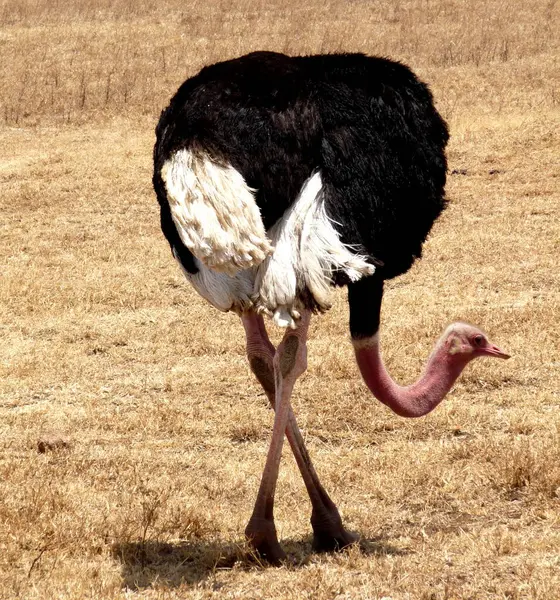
column 153, row 431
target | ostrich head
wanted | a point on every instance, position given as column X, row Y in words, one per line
column 465, row 342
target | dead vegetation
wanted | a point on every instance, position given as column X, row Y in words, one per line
column 162, row 430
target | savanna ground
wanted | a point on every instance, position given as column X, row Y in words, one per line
column 132, row 432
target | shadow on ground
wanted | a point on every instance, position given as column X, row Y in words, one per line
column 172, row 564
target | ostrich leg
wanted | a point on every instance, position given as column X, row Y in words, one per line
column 329, row 533
column 290, row 361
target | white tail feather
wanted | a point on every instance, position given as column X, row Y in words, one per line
column 307, row 252
column 215, row 212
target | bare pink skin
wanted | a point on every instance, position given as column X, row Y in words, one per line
column 459, row 344
column 289, row 361
column 265, row 361
column 277, row 371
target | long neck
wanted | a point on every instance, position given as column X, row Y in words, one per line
column 414, row 400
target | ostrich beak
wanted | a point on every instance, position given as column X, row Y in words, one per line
column 492, row 350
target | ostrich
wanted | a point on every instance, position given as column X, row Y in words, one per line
column 279, row 178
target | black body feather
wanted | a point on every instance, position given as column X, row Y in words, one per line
column 368, row 124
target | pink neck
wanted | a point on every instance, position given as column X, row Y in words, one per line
column 414, row 400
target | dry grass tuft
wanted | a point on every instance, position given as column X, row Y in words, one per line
column 132, row 434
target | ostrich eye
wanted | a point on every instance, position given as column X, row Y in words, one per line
column 478, row 340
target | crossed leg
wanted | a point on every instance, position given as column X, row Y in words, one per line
column 277, row 372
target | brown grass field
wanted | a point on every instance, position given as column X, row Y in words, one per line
column 132, row 433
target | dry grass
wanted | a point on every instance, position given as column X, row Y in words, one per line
column 153, row 431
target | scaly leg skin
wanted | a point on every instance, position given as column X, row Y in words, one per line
column 329, row 533
column 290, row 361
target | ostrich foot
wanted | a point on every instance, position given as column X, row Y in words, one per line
column 329, row 534
column 261, row 535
